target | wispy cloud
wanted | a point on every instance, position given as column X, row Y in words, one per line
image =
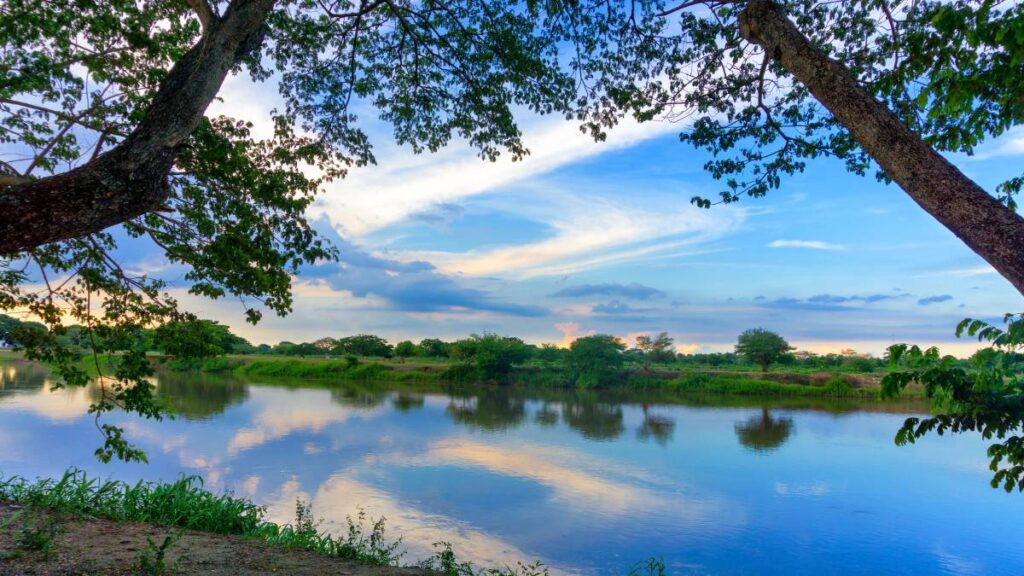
column 415, row 286
column 592, row 232
column 633, row 290
column 807, row 244
column 404, row 184
column 934, row 299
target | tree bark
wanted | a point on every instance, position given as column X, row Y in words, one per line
column 988, row 227
column 131, row 179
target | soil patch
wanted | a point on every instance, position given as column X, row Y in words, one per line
column 40, row 542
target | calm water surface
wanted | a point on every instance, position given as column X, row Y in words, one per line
column 585, row 482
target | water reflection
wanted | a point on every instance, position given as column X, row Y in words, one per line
column 588, row 482
column 200, row 396
column 657, row 426
column 764, row 433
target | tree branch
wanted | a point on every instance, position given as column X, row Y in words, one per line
column 131, row 179
column 992, row 230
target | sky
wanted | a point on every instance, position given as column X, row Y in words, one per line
column 586, row 237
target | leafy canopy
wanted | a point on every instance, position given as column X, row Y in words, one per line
column 762, row 347
column 986, row 395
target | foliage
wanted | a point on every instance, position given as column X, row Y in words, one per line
column 405, row 349
column 987, row 396
column 363, row 345
column 657, row 349
column 595, row 360
column 191, row 338
column 490, row 355
column 433, row 348
column 761, row 347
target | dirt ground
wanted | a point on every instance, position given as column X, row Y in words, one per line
column 42, row 543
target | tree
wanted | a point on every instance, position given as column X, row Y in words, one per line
column 433, row 348
column 761, row 347
column 595, row 360
column 405, row 349
column 492, row 356
column 190, row 339
column 363, row 345
column 548, row 354
column 657, row 349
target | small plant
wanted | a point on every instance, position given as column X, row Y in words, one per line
column 838, row 386
column 351, row 361
column 445, row 563
column 372, row 548
column 153, row 558
column 649, row 567
column 38, row 535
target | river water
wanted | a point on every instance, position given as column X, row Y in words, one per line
column 586, row 482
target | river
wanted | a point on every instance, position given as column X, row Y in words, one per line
column 586, row 482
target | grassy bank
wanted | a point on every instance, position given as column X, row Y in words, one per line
column 771, row 384
column 97, row 525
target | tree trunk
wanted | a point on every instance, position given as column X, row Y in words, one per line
column 988, row 227
column 131, row 179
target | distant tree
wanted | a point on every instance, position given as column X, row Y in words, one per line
column 264, row 349
column 326, row 344
column 657, row 349
column 595, row 360
column 762, row 347
column 304, row 349
column 433, row 348
column 548, row 354
column 492, row 355
column 190, row 339
column 364, row 345
column 405, row 349
column 283, row 348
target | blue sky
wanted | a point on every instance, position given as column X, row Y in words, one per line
column 585, row 237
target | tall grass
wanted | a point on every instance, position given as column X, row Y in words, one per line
column 837, row 387
column 186, row 504
column 335, row 370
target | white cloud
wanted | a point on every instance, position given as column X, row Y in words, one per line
column 404, row 184
column 807, row 244
column 592, row 231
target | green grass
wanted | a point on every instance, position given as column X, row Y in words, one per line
column 335, row 370
column 837, row 387
column 185, row 504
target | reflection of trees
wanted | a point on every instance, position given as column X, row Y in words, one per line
column 656, row 426
column 359, row 398
column 200, row 396
column 405, row 402
column 547, row 416
column 594, row 420
column 490, row 410
column 22, row 376
column 764, row 433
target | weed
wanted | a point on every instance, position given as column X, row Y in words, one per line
column 38, row 534
column 153, row 558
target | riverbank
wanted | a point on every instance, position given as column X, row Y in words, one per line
column 78, row 525
column 777, row 383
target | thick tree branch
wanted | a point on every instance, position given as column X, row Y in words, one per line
column 131, row 179
column 992, row 230
column 204, row 11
